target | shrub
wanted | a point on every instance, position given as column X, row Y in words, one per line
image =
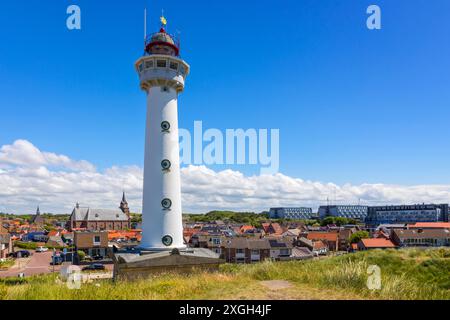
column 81, row 255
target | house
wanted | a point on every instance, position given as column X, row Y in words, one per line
column 291, row 233
column 344, row 238
column 421, row 237
column 280, row 250
column 272, row 228
column 38, row 236
column 91, row 242
column 55, row 241
column 243, row 250
column 100, row 219
column 301, row 253
column 6, row 246
column 375, row 243
column 208, row 241
column 331, row 239
column 319, row 248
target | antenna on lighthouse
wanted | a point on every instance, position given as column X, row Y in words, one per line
column 145, row 23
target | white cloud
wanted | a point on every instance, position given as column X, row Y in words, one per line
column 24, row 153
column 29, row 176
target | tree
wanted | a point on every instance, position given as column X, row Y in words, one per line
column 357, row 236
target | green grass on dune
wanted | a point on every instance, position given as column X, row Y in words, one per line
column 406, row 274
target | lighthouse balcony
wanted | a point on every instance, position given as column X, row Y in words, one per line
column 162, row 70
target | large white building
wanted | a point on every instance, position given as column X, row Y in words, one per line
column 162, row 74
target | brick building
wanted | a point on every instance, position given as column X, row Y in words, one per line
column 100, row 219
column 91, row 242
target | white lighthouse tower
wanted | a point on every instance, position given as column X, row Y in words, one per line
column 162, row 74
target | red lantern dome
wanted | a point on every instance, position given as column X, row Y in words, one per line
column 161, row 43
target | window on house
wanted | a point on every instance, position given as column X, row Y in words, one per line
column 216, row 241
column 255, row 252
column 240, row 251
column 96, row 239
column 284, row 252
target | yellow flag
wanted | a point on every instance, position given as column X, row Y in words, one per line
column 163, row 21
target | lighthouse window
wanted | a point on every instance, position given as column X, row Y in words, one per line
column 173, row 65
column 167, row 240
column 165, row 126
column 148, row 64
column 182, row 70
column 165, row 164
column 166, row 203
column 161, row 63
column 141, row 67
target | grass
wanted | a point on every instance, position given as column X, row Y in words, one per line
column 406, row 274
column 5, row 264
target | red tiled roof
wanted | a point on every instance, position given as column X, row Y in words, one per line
column 245, row 228
column 437, row 225
column 265, row 226
column 277, row 228
column 53, row 233
column 377, row 243
column 329, row 236
column 319, row 245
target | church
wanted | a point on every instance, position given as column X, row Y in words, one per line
column 91, row 219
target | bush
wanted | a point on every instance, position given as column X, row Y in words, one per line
column 34, row 245
column 81, row 255
column 26, row 245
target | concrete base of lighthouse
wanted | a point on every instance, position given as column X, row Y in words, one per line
column 142, row 264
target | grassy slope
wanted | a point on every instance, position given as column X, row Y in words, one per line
column 406, row 274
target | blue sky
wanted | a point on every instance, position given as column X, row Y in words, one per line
column 352, row 105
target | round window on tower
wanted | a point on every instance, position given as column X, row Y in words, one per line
column 165, row 126
column 167, row 240
column 165, row 164
column 166, row 203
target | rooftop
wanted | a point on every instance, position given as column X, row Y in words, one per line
column 377, row 243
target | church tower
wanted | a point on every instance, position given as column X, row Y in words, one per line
column 124, row 206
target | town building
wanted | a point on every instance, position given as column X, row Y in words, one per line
column 331, row 239
column 421, row 237
column 6, row 246
column 272, row 228
column 243, row 250
column 280, row 250
column 405, row 214
column 429, row 225
column 345, row 211
column 100, row 219
column 290, row 213
column 93, row 243
column 375, row 243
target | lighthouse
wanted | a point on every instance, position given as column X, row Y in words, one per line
column 162, row 74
